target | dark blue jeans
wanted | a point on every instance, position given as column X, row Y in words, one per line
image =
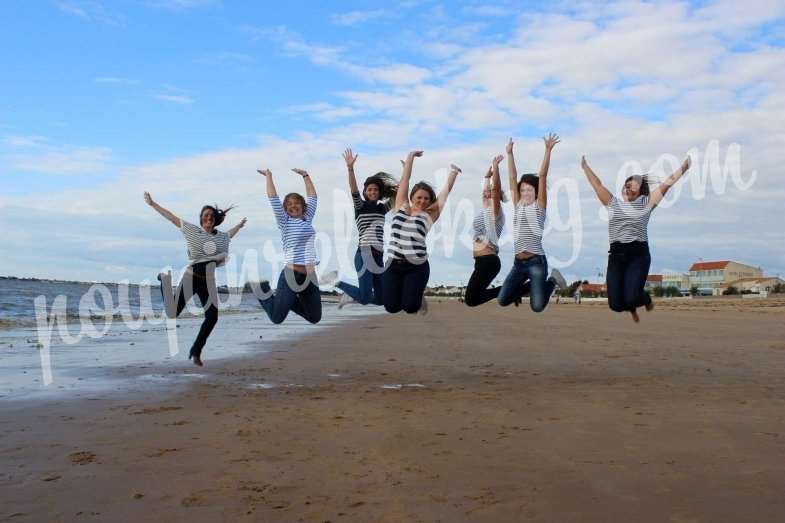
column 535, row 269
column 370, row 267
column 296, row 292
column 628, row 267
column 403, row 285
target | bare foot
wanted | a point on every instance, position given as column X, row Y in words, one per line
column 635, row 316
column 198, row 361
column 650, row 306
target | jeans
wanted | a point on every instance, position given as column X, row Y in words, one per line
column 628, row 267
column 486, row 268
column 198, row 280
column 534, row 269
column 403, row 285
column 370, row 269
column 296, row 292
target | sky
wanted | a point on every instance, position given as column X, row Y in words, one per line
column 101, row 101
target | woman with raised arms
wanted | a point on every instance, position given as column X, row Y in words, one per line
column 369, row 212
column 628, row 219
column 208, row 248
column 297, row 289
column 529, row 197
column 406, row 276
column 488, row 226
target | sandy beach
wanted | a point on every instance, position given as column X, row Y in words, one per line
column 485, row 414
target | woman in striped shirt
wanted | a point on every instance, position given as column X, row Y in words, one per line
column 628, row 218
column 297, row 289
column 408, row 270
column 369, row 212
column 207, row 249
column 530, row 201
column 488, row 226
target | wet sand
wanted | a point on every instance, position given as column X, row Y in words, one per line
column 485, row 414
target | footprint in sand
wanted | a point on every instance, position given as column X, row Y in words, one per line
column 82, row 458
column 160, row 452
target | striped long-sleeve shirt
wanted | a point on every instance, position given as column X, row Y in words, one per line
column 628, row 221
column 369, row 217
column 297, row 234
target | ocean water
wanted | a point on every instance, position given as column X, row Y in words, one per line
column 131, row 348
column 75, row 300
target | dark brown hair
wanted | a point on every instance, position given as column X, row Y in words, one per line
column 218, row 213
column 530, row 179
column 643, row 180
column 423, row 186
column 388, row 186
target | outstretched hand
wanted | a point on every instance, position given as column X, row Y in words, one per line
column 584, row 163
column 414, row 154
column 349, row 158
column 301, row 172
column 148, row 199
column 454, row 169
column 264, row 172
column 497, row 160
column 551, row 140
column 509, row 146
column 686, row 165
column 242, row 223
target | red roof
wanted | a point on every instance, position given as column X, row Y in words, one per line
column 654, row 277
column 592, row 287
column 709, row 266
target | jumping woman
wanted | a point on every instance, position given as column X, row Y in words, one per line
column 297, row 289
column 407, row 273
column 207, row 249
column 369, row 212
column 488, row 226
column 628, row 219
column 530, row 200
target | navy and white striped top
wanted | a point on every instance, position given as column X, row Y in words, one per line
column 486, row 231
column 369, row 217
column 297, row 234
column 407, row 237
column 628, row 221
column 203, row 246
column 528, row 224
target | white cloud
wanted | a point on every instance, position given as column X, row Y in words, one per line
column 91, row 10
column 358, row 17
column 61, row 160
column 175, row 98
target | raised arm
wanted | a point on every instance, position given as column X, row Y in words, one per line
column 602, row 193
column 435, row 209
column 402, row 196
column 234, row 230
column 350, row 159
column 542, row 190
column 162, row 211
column 496, row 191
column 267, row 173
column 310, row 190
column 657, row 194
column 512, row 174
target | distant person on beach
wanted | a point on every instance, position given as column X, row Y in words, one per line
column 629, row 258
column 407, row 273
column 370, row 209
column 298, row 287
column 488, row 226
column 529, row 197
column 207, row 249
column 577, row 295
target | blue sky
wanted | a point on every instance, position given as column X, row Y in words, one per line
column 102, row 100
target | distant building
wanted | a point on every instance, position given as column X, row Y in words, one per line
column 653, row 281
column 592, row 288
column 711, row 277
column 678, row 280
column 754, row 285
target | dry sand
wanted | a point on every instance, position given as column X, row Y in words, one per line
column 576, row 414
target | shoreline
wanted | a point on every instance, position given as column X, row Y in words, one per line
column 569, row 415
